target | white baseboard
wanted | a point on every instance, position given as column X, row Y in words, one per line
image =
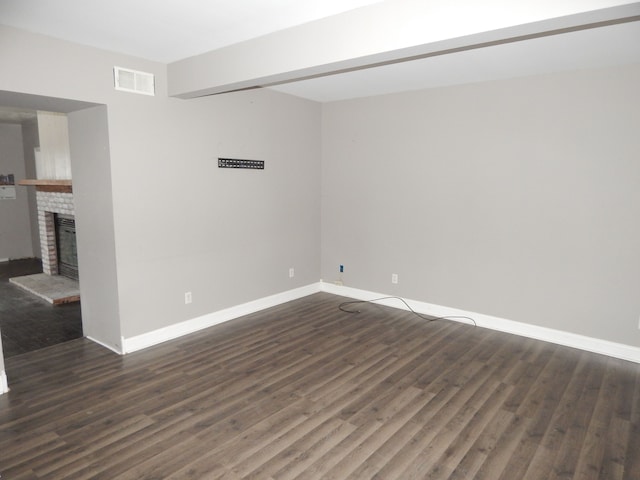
column 171, row 332
column 4, row 384
column 590, row 344
column 105, row 345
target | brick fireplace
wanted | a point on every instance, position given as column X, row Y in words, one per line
column 49, row 204
column 59, row 282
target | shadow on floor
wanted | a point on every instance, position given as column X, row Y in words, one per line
column 30, row 323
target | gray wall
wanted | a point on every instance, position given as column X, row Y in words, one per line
column 518, row 199
column 179, row 223
column 227, row 236
column 89, row 149
column 15, row 228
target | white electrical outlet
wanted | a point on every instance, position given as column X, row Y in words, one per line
column 292, row 272
column 394, row 278
column 187, row 297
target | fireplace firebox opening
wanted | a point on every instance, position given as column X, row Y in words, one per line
column 66, row 245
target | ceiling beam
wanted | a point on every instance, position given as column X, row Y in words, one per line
column 383, row 33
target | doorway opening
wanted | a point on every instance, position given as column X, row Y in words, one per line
column 92, row 201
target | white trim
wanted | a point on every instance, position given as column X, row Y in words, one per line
column 105, row 345
column 590, row 344
column 156, row 337
column 4, row 384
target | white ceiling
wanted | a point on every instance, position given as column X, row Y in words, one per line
column 168, row 30
column 165, row 30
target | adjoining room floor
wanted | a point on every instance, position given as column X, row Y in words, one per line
column 30, row 323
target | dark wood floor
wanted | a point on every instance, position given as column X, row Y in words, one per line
column 306, row 391
column 27, row 322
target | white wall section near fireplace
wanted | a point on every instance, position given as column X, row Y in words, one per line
column 52, row 156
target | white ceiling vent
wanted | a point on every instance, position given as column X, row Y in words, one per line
column 134, row 81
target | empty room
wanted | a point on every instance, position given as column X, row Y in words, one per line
column 332, row 239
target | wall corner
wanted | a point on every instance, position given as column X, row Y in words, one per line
column 4, row 385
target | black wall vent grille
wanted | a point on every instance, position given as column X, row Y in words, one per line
column 238, row 163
